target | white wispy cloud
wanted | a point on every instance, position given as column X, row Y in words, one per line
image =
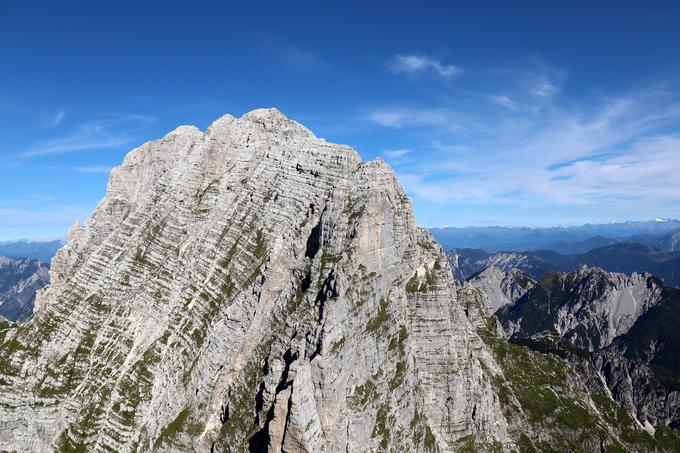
column 402, row 117
column 56, row 118
column 100, row 133
column 618, row 153
column 95, row 169
column 542, row 86
column 412, row 64
column 504, row 101
column 396, row 153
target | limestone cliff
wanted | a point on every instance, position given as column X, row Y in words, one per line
column 250, row 287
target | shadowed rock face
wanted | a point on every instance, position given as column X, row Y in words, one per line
column 20, row 279
column 250, row 287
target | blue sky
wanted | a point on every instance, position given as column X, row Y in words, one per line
column 497, row 113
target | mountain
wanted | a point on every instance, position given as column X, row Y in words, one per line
column 670, row 242
column 37, row 250
column 467, row 262
column 642, row 367
column 626, row 258
column 565, row 240
column 667, row 242
column 254, row 288
column 19, row 281
column 501, row 288
column 248, row 288
column 565, row 247
column 616, row 331
column 588, row 308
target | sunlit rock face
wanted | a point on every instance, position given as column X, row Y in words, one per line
column 249, row 288
column 501, row 288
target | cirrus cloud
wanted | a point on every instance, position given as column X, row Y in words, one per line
column 413, row 64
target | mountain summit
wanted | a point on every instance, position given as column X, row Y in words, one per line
column 246, row 286
column 255, row 288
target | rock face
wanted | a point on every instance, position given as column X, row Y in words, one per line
column 501, row 288
column 467, row 262
column 642, row 367
column 588, row 308
column 20, row 279
column 248, row 288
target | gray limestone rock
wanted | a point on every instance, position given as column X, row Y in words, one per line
column 501, row 288
column 250, row 287
column 588, row 308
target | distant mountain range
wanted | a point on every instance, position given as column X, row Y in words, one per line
column 37, row 250
column 24, row 269
column 622, row 257
column 663, row 234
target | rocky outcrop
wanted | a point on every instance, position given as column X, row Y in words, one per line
column 642, row 367
column 20, row 279
column 467, row 262
column 501, row 288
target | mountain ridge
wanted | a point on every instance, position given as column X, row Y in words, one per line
column 20, row 279
column 627, row 258
column 566, row 240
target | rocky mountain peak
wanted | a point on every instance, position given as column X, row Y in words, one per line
column 251, row 285
column 588, row 308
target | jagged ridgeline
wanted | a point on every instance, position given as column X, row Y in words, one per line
column 254, row 288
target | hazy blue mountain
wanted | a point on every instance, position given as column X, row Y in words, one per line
column 566, row 240
column 567, row 247
column 39, row 250
column 666, row 241
column 20, row 279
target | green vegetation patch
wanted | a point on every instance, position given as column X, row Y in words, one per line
column 380, row 318
column 182, row 424
column 398, row 377
column 381, row 429
column 363, row 394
